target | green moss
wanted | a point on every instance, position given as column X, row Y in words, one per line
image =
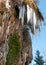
column 14, row 49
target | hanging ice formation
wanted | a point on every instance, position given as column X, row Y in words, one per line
column 7, row 4
column 32, row 18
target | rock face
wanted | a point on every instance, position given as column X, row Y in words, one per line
column 26, row 49
column 9, row 24
column 14, row 20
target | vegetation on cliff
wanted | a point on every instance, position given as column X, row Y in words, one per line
column 14, row 49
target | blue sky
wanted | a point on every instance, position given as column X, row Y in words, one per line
column 39, row 41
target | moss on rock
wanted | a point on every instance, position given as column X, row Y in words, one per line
column 14, row 49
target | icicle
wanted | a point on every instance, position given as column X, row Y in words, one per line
column 21, row 14
column 7, row 4
column 33, row 20
column 29, row 14
column 37, row 23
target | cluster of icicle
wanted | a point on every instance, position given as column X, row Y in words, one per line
column 33, row 21
column 32, row 18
